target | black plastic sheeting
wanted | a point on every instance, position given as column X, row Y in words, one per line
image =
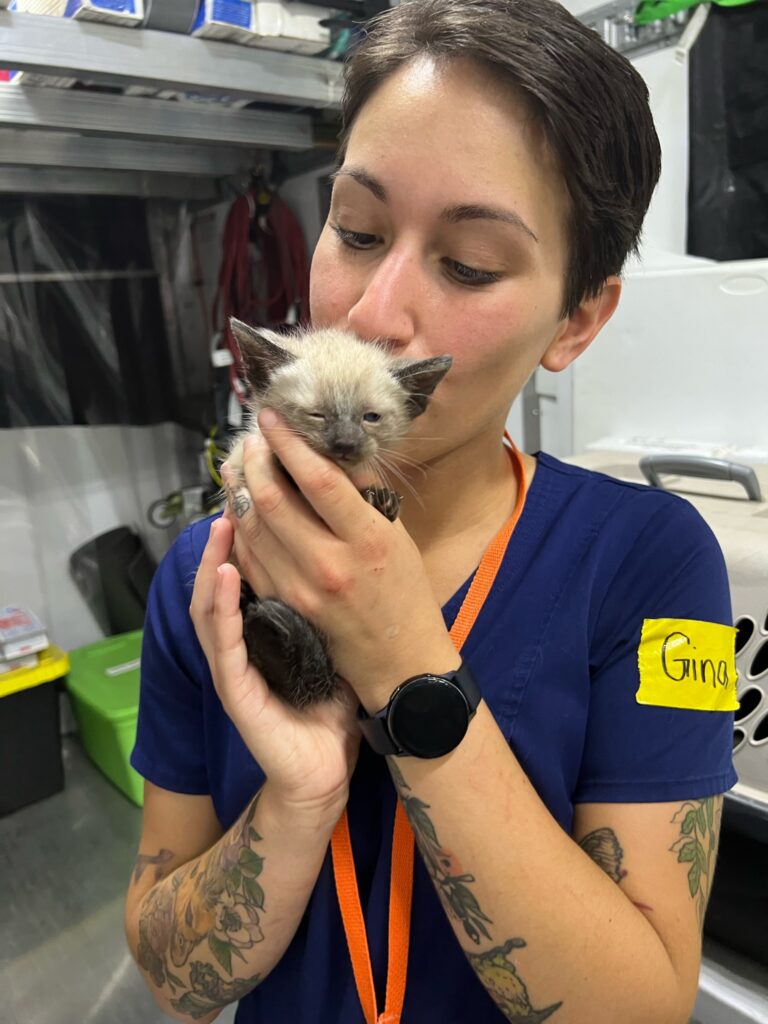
column 82, row 334
column 728, row 192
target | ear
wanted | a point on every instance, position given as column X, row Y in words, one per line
column 419, row 380
column 261, row 352
column 578, row 331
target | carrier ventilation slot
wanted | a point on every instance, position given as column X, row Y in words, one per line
column 760, row 661
column 738, row 738
column 749, row 702
column 761, row 732
column 745, row 627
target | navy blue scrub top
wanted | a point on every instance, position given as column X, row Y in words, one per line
column 554, row 651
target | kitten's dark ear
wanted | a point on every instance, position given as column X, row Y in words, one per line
column 261, row 351
column 419, row 380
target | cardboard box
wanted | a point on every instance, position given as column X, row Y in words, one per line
column 128, row 13
column 232, row 20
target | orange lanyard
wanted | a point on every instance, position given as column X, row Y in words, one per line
column 401, row 876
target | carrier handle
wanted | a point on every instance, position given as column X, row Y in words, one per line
column 701, row 466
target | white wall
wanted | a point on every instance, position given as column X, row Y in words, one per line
column 62, row 486
column 664, row 234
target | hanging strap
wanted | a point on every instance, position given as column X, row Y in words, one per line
column 401, row 871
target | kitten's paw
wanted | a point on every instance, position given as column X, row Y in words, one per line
column 288, row 651
column 384, row 500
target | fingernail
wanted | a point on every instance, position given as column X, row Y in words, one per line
column 267, row 418
column 214, row 528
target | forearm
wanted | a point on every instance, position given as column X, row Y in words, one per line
column 213, row 929
column 548, row 933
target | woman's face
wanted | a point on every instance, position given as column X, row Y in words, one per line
column 446, row 234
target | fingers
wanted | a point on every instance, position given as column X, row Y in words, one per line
column 252, row 569
column 325, row 486
column 217, row 550
column 253, row 539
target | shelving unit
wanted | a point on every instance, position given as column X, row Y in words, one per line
column 123, row 56
column 144, row 145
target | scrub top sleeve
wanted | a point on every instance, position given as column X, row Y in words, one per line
column 634, row 752
column 170, row 739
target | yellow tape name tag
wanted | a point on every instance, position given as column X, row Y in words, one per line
column 687, row 664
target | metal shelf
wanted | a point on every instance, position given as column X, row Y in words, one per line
column 111, row 143
column 122, row 56
column 53, row 181
column 146, row 117
column 58, row 149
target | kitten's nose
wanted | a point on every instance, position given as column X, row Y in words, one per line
column 345, row 440
column 344, row 448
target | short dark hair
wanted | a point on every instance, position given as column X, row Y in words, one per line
column 588, row 101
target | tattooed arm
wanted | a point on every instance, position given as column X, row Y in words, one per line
column 606, row 928
column 209, row 915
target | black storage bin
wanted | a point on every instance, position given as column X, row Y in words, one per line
column 113, row 572
column 30, row 746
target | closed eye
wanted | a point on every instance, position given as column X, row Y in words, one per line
column 316, row 415
column 470, row 275
column 459, row 272
column 355, row 239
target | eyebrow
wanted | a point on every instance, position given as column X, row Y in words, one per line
column 451, row 214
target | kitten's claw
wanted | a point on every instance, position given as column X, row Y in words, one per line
column 384, row 500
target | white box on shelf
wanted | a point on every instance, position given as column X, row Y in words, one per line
column 292, row 27
column 51, row 8
column 128, row 13
column 232, row 20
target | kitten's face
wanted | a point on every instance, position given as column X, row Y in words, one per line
column 349, row 399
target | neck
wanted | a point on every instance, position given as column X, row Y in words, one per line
column 469, row 490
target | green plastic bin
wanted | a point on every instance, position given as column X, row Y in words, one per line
column 103, row 685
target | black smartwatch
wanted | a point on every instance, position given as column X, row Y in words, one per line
column 427, row 715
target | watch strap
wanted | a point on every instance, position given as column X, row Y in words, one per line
column 375, row 728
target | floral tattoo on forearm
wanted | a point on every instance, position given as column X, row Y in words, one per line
column 494, row 968
column 450, row 880
column 216, row 900
column 699, row 822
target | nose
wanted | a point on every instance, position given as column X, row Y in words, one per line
column 345, row 440
column 343, row 449
column 386, row 309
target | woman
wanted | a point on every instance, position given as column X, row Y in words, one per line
column 497, row 161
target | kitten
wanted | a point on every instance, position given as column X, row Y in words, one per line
column 351, row 401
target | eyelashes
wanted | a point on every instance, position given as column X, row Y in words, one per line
column 355, row 239
column 459, row 272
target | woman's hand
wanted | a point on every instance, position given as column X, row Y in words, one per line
column 338, row 562
column 308, row 756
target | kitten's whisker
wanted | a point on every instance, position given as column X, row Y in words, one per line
column 406, row 460
column 400, row 476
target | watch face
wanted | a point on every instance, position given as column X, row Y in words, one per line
column 428, row 717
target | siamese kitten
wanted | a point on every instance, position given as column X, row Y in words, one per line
column 351, row 401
